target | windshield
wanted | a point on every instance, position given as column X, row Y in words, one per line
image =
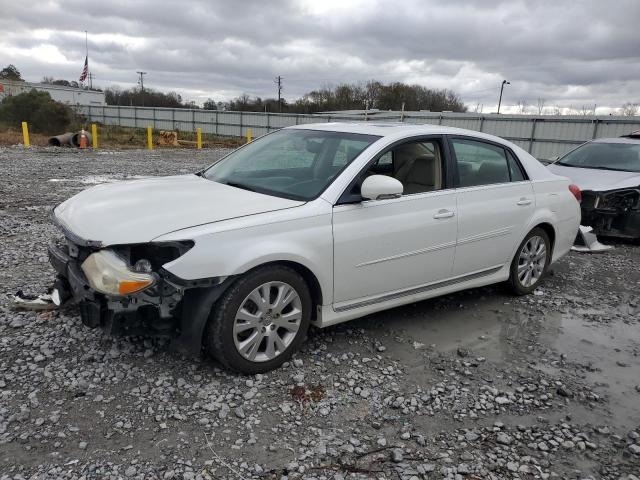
column 604, row 156
column 297, row 164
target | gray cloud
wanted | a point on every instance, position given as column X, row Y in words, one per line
column 567, row 52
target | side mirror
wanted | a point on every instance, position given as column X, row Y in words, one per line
column 380, row 187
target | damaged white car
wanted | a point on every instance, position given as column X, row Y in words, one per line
column 309, row 225
column 607, row 170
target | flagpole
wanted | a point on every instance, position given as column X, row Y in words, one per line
column 86, row 47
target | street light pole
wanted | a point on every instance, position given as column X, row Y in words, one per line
column 501, row 89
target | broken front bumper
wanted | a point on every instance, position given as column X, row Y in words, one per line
column 150, row 310
column 172, row 307
column 154, row 310
column 614, row 213
column 68, row 269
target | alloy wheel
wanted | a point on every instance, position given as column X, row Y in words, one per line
column 532, row 261
column 267, row 321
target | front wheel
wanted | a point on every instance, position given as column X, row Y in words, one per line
column 260, row 320
column 530, row 262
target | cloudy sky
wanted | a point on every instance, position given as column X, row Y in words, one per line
column 570, row 53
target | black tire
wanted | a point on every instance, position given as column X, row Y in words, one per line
column 219, row 336
column 514, row 281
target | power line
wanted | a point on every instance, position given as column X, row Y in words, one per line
column 469, row 94
column 141, row 82
column 279, row 84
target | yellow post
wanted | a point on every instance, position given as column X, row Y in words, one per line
column 248, row 135
column 149, row 138
column 199, row 137
column 94, row 135
column 25, row 134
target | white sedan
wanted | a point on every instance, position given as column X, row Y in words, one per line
column 310, row 225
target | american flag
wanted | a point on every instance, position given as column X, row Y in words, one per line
column 85, row 70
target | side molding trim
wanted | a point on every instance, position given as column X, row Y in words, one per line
column 417, row 290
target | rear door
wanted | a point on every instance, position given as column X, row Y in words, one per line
column 495, row 204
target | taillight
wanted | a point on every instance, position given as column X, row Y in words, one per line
column 575, row 189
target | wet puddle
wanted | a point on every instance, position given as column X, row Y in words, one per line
column 609, row 354
column 599, row 346
column 485, row 329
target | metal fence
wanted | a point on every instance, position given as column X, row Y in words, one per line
column 544, row 136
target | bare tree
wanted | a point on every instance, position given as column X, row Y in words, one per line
column 478, row 108
column 557, row 110
column 541, row 104
column 522, row 106
column 588, row 110
column 630, row 109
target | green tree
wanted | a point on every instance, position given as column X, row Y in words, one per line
column 150, row 98
column 43, row 114
column 10, row 72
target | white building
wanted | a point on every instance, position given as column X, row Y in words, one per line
column 69, row 95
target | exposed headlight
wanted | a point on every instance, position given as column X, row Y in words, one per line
column 110, row 274
column 143, row 266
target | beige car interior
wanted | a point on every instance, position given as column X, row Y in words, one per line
column 418, row 166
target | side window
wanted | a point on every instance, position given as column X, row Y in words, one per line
column 382, row 166
column 514, row 169
column 417, row 165
column 480, row 163
column 386, row 160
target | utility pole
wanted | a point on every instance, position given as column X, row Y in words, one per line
column 504, row 82
column 141, row 82
column 279, row 84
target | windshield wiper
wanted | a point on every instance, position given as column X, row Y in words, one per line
column 610, row 168
column 240, row 185
column 593, row 167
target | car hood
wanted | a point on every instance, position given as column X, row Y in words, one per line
column 138, row 211
column 597, row 180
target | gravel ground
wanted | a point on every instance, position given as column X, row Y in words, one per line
column 474, row 385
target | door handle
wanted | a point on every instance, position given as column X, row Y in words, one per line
column 444, row 214
column 524, row 201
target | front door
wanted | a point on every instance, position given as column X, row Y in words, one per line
column 386, row 246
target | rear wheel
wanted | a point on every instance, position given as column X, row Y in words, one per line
column 530, row 263
column 260, row 320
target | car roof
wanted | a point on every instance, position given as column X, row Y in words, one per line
column 635, row 141
column 385, row 129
